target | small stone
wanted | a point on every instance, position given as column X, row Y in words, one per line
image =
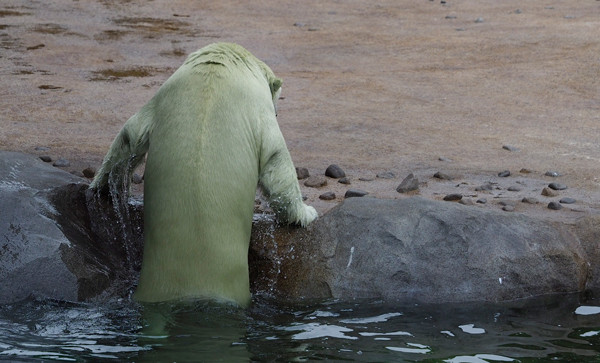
column 518, row 11
column 567, row 200
column 89, row 172
column 46, row 158
column 443, row 176
column 334, row 171
column 529, row 200
column 509, row 203
column 409, row 184
column 315, row 181
column 479, row 20
column 508, row 208
column 344, row 180
column 327, row 196
column 487, row 186
column 453, row 197
column 444, row 159
column 61, row 163
column 302, row 173
column 466, row 201
column 137, row 179
column 557, row 186
column 350, row 193
column 481, row 200
column 450, row 16
column 504, row 174
column 554, row 206
column 42, row 148
column 514, row 188
column 547, row 192
column 552, row 173
column 525, row 171
column 509, row 148
column 387, row 175
column 366, row 179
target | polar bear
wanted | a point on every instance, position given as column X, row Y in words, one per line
column 211, row 136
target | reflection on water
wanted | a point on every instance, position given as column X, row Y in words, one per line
column 559, row 328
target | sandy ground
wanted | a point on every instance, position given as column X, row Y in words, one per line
column 371, row 86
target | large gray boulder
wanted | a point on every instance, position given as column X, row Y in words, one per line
column 60, row 241
column 421, row 250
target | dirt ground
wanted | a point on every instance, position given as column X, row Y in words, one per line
column 371, row 86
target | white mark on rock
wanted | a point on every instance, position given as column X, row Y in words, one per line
column 350, row 259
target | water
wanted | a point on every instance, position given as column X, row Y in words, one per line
column 558, row 328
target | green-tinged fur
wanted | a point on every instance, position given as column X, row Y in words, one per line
column 211, row 136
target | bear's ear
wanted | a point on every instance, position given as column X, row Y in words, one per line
column 275, row 85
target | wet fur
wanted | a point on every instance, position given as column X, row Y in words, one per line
column 211, row 135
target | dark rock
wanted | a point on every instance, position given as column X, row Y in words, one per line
column 504, row 174
column 557, row 186
column 350, row 193
column 366, row 179
column 409, row 184
column 443, row 176
column 509, row 148
column 567, row 200
column 334, row 171
column 387, row 175
column 508, row 203
column 45, row 158
column 302, row 173
column 327, row 196
column 553, row 174
column 554, row 206
column 62, row 163
column 420, row 250
column 529, row 200
column 482, row 200
column 508, row 208
column 453, row 197
column 479, row 20
column 514, row 188
column 315, row 181
column 441, row 158
column 89, row 172
column 525, row 171
column 137, row 178
column 344, row 180
column 547, row 192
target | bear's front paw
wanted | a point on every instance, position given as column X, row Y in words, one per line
column 309, row 215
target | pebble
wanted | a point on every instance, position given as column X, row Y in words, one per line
column 504, row 174
column 409, row 184
column 481, row 200
column 547, row 192
column 509, row 148
column 525, row 171
column 89, row 172
column 334, row 171
column 367, row 179
column 443, row 176
column 441, row 158
column 315, row 181
column 344, row 180
column 61, row 163
column 387, row 175
column 557, row 186
column 567, row 200
column 554, row 206
column 552, row 173
column 355, row 193
column 46, row 158
column 508, row 208
column 487, row 186
column 507, row 202
column 302, row 173
column 529, row 200
column 137, row 179
column 453, row 197
column 466, row 201
column 327, row 196
column 514, row 188
column 42, row 148
column 479, row 20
